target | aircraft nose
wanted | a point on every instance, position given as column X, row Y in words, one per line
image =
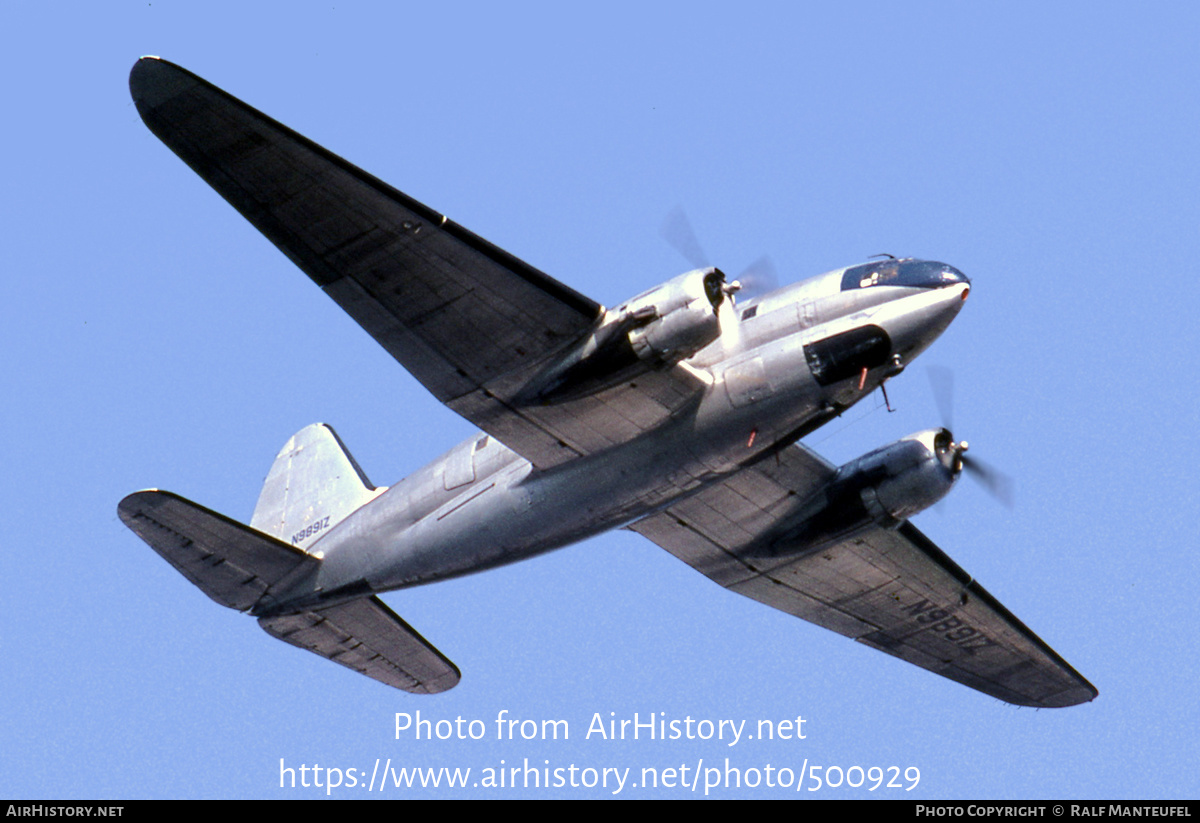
column 916, row 321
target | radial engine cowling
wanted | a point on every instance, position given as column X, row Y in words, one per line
column 675, row 320
column 884, row 487
column 656, row 329
column 906, row 477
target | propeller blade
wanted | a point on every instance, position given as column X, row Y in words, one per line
column 677, row 230
column 941, row 379
column 759, row 277
column 998, row 484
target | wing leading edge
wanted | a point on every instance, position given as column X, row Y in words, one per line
column 470, row 321
column 892, row 590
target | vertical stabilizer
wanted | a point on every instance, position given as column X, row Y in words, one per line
column 313, row 485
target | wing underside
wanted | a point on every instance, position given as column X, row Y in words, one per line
column 468, row 320
column 890, row 589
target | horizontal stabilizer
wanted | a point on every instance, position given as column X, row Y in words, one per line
column 232, row 563
column 367, row 636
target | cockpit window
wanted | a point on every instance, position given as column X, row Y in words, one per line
column 921, row 274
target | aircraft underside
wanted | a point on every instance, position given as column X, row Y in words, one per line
column 676, row 414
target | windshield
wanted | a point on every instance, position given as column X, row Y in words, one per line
column 921, row 274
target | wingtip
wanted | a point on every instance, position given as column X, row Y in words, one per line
column 131, row 501
column 153, row 80
column 145, row 65
column 1085, row 693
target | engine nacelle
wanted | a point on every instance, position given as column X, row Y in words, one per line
column 884, row 487
column 906, row 477
column 654, row 330
column 675, row 320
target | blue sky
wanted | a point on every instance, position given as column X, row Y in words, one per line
column 153, row 338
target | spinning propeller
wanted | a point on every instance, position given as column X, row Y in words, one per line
column 757, row 278
column 998, row 484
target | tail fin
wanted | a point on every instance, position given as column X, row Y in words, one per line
column 312, row 486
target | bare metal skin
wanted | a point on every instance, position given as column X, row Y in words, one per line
column 676, row 414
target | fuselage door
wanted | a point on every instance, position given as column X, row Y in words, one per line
column 808, row 314
column 459, row 468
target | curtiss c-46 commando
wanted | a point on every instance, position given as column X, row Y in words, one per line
column 676, row 414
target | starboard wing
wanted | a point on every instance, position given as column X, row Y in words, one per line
column 892, row 590
column 470, row 321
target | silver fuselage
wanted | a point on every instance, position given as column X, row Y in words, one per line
column 481, row 505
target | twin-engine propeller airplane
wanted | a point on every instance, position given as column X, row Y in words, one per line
column 676, row 414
